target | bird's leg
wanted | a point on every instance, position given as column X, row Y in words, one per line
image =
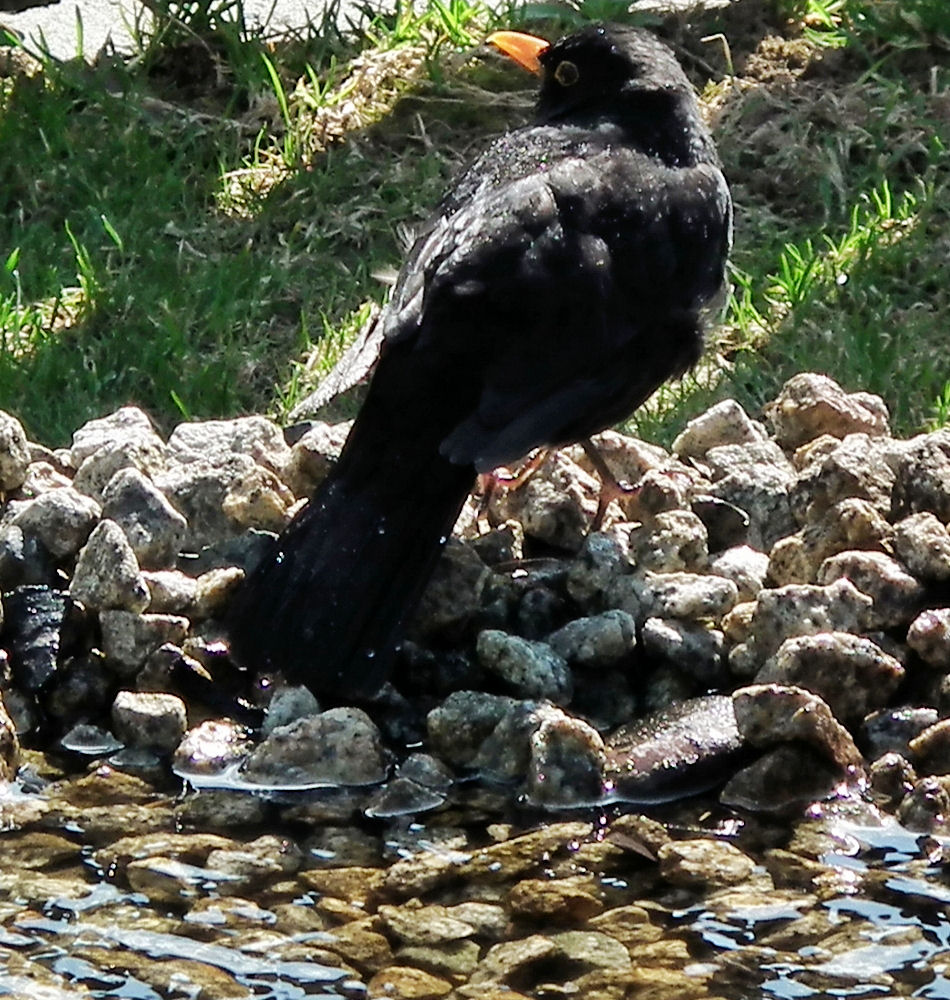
column 528, row 469
column 611, row 488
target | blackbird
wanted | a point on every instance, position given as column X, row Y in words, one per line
column 558, row 284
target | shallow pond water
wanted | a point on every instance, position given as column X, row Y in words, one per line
column 109, row 888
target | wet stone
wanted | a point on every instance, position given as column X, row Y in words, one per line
column 562, row 901
column 931, row 749
column 9, row 746
column 567, row 761
column 413, row 923
column 926, row 807
column 685, row 749
column 929, row 637
column 211, row 747
column 408, row 983
column 259, row 861
column 892, row 729
column 41, row 627
column 454, row 960
column 767, row 714
column 148, row 720
column 892, row 776
column 698, row 864
column 458, row 727
column 341, row 746
column 782, row 780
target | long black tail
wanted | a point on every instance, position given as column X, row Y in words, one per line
column 328, row 604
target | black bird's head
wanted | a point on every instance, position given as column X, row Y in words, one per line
column 600, row 68
column 614, row 74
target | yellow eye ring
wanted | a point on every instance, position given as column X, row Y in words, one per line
column 567, row 73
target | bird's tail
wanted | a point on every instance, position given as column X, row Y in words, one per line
column 328, row 603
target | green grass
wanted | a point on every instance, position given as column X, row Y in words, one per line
column 201, row 230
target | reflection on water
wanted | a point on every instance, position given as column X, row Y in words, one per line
column 123, row 902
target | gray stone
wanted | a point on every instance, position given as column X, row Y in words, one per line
column 154, row 528
column 724, row 423
column 769, row 714
column 690, row 646
column 598, row 641
column 172, row 592
column 673, row 540
column 215, row 441
column 14, row 453
column 145, row 453
column 312, row 457
column 458, row 727
column 128, row 639
column 851, row 673
column 126, row 423
column 922, row 543
column 61, row 519
column 745, row 566
column 896, row 595
column 566, row 762
column 341, row 746
column 211, row 747
column 287, row 705
column 530, row 669
column 555, row 504
column 804, row 609
column 107, row 574
column 810, row 405
column 597, row 566
column 689, row 596
column 923, row 476
column 929, row 637
column 149, row 720
column 221, row 501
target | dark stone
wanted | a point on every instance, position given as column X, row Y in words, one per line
column 685, row 749
column 41, row 627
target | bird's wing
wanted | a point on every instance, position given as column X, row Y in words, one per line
column 551, row 289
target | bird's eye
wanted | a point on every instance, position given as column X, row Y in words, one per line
column 567, row 73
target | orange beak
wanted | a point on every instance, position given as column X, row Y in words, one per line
column 524, row 49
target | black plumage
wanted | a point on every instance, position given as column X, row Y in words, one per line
column 558, row 284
